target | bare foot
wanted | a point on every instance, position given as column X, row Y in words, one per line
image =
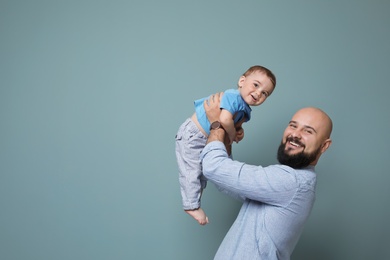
column 198, row 215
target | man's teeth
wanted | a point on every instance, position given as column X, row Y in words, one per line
column 294, row 144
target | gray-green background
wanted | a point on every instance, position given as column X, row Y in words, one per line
column 93, row 92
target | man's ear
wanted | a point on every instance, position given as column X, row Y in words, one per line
column 326, row 145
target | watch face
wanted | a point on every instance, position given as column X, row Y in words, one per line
column 215, row 125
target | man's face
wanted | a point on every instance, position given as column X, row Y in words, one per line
column 304, row 139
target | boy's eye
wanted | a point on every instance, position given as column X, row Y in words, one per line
column 265, row 93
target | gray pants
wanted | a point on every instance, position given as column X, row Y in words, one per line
column 190, row 142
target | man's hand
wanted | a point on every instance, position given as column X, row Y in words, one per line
column 212, row 108
column 213, row 111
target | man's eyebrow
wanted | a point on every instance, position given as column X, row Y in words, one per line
column 309, row 127
column 305, row 126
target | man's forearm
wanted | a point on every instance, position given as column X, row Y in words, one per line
column 220, row 135
column 216, row 135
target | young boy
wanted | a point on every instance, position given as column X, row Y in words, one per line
column 254, row 87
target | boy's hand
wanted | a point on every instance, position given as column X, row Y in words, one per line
column 239, row 134
column 239, row 131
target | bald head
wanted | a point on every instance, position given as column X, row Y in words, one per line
column 318, row 119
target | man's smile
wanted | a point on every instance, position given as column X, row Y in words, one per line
column 293, row 144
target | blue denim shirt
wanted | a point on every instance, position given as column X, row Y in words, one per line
column 277, row 202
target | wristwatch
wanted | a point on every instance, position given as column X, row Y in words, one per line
column 216, row 125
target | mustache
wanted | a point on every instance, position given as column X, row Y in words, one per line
column 295, row 140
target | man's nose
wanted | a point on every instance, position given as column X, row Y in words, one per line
column 296, row 134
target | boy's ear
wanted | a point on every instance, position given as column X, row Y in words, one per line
column 241, row 81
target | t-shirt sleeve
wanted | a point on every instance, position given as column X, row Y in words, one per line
column 230, row 102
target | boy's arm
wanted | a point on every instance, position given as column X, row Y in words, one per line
column 226, row 119
column 213, row 112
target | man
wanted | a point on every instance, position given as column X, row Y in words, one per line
column 278, row 198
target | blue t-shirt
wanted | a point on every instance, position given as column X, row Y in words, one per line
column 231, row 101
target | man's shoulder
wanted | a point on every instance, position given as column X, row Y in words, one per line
column 302, row 176
column 287, row 168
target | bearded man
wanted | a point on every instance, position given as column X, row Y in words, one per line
column 277, row 199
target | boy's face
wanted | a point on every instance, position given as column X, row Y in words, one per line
column 255, row 88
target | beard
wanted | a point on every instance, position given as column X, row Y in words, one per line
column 296, row 161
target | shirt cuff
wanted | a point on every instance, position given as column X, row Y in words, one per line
column 215, row 145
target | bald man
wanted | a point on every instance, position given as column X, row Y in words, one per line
column 277, row 199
